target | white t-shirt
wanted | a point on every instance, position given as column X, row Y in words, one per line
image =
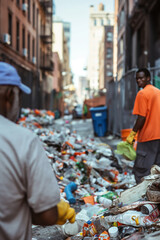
column 26, row 180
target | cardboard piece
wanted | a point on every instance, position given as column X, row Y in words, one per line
column 135, row 193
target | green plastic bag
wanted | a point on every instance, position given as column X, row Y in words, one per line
column 126, row 149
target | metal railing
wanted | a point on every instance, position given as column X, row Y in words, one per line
column 120, row 99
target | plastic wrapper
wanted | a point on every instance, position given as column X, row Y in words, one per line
column 126, row 149
column 126, row 231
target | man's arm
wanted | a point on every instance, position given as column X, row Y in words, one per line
column 46, row 218
column 47, row 195
column 56, row 215
column 139, row 123
column 137, row 126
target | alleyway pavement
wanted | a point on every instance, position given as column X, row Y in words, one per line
column 85, row 129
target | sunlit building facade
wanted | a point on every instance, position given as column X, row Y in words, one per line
column 121, row 37
column 61, row 45
column 106, row 57
column 26, row 43
column 97, row 19
column 115, row 39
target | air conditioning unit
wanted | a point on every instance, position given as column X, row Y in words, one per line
column 7, row 38
column 24, row 52
column 34, row 60
column 24, row 7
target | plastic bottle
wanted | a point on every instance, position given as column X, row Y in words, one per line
column 104, row 223
column 77, row 237
column 102, row 182
column 65, row 180
column 70, row 173
column 110, row 195
column 70, row 229
column 134, row 218
column 113, row 233
column 88, row 188
column 104, row 201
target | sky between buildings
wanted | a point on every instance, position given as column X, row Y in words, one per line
column 77, row 13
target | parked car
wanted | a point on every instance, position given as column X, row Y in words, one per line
column 77, row 111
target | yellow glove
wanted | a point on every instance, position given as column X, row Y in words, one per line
column 65, row 212
column 130, row 137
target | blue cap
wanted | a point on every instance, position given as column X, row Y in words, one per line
column 9, row 76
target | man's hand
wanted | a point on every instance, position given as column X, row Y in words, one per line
column 130, row 137
column 65, row 212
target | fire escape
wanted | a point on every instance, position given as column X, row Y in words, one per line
column 139, row 11
column 140, row 22
column 46, row 62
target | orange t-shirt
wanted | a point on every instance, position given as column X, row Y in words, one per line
column 147, row 104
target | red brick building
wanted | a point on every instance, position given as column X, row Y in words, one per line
column 26, row 43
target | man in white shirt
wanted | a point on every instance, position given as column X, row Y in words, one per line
column 29, row 192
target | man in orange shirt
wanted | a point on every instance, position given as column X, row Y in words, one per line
column 147, row 125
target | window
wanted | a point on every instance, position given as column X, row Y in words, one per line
column 95, row 22
column 17, row 35
column 121, row 18
column 120, row 46
column 42, row 28
column 33, row 16
column 109, row 74
column 109, row 36
column 17, row 2
column 108, row 21
column 41, row 57
column 33, row 48
column 102, row 22
column 29, row 9
column 28, row 46
column 23, row 38
column 108, row 66
column 66, row 29
column 10, row 26
column 109, row 53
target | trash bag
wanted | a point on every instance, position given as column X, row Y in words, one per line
column 126, row 149
column 153, row 191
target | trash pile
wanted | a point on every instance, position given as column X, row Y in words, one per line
column 92, row 177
